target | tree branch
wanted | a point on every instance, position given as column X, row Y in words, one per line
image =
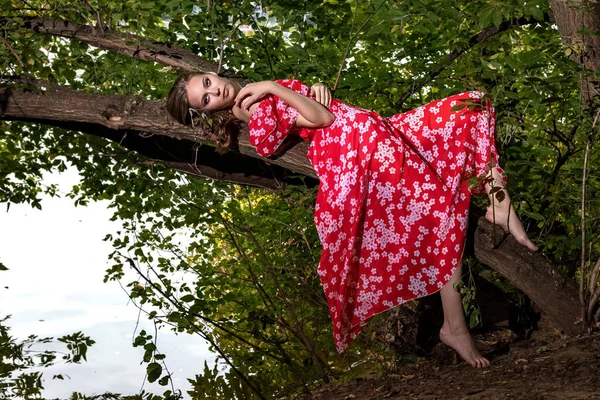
column 594, row 292
column 14, row 53
column 481, row 37
column 146, row 127
column 103, row 27
column 531, row 273
column 128, row 44
column 582, row 275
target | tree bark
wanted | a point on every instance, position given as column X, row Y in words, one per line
column 146, row 127
column 554, row 295
column 578, row 23
column 134, row 46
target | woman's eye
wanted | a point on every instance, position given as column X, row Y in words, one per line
column 205, row 100
column 207, row 82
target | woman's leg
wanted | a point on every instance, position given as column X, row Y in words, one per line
column 454, row 332
column 503, row 213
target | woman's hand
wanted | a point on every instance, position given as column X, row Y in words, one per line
column 321, row 93
column 253, row 93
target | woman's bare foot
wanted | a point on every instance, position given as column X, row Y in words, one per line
column 505, row 216
column 463, row 344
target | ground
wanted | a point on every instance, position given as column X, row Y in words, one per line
column 548, row 368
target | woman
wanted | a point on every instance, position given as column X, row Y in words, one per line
column 393, row 201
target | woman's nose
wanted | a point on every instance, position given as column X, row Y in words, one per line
column 215, row 91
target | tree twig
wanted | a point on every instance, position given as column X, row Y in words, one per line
column 586, row 313
column 265, row 44
column 14, row 53
column 221, row 48
column 582, row 268
column 103, row 27
column 352, row 39
column 206, row 337
column 595, row 293
column 594, row 277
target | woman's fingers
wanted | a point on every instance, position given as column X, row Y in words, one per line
column 317, row 92
column 245, row 99
column 327, row 96
column 248, row 101
column 323, row 97
column 242, row 94
column 314, row 92
column 251, row 94
column 321, row 93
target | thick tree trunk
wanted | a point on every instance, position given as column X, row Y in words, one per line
column 554, row 295
column 578, row 23
column 146, row 127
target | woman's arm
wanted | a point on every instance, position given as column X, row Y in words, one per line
column 311, row 113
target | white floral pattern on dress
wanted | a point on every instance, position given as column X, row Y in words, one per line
column 393, row 201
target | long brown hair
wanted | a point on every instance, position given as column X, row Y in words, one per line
column 221, row 126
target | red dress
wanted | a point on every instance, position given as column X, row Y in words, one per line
column 393, row 200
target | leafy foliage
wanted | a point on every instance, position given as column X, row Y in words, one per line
column 237, row 265
column 18, row 358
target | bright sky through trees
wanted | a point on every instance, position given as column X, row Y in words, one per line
column 57, row 260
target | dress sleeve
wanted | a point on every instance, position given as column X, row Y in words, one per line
column 273, row 120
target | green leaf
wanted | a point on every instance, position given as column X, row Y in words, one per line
column 188, row 298
column 486, row 16
column 497, row 18
column 537, row 13
column 474, row 319
column 153, row 370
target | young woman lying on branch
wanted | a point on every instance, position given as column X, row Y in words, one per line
column 394, row 194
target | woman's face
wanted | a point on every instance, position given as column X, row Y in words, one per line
column 210, row 92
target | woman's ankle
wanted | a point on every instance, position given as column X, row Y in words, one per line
column 454, row 329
